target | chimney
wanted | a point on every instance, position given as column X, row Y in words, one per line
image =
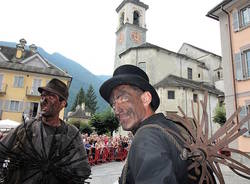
column 23, row 42
column 33, row 48
column 19, row 51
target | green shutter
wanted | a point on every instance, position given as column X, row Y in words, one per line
column 242, row 114
column 238, row 66
column 236, row 24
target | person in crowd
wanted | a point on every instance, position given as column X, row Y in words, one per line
column 45, row 150
column 152, row 157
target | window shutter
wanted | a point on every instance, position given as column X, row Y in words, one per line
column 20, row 106
column 242, row 114
column 27, row 108
column 238, row 66
column 6, row 105
column 1, row 104
column 236, row 24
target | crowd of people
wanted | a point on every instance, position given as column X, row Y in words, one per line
column 104, row 148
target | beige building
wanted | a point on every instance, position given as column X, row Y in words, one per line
column 22, row 71
column 179, row 77
column 234, row 19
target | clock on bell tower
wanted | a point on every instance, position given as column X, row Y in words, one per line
column 131, row 31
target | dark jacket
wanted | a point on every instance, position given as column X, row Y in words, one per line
column 153, row 159
column 39, row 153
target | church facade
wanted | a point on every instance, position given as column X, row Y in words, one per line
column 179, row 77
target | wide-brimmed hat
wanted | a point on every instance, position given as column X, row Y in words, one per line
column 58, row 87
column 131, row 75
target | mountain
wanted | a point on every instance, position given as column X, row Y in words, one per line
column 103, row 77
column 81, row 76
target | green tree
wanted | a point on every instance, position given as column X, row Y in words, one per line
column 80, row 98
column 90, row 100
column 220, row 114
column 96, row 121
column 110, row 121
column 104, row 122
column 82, row 125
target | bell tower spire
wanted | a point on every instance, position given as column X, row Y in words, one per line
column 131, row 30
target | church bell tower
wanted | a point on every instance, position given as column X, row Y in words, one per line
column 131, row 31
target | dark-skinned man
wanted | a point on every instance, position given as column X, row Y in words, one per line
column 152, row 158
column 45, row 150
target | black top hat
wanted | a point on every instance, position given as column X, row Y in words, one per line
column 58, row 87
column 132, row 75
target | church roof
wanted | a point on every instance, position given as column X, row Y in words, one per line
column 17, row 65
column 175, row 81
column 79, row 113
column 208, row 52
column 152, row 46
column 136, row 2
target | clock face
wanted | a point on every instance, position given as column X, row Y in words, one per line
column 120, row 38
column 136, row 37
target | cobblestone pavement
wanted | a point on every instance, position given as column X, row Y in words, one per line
column 108, row 173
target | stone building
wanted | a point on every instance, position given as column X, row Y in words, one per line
column 179, row 77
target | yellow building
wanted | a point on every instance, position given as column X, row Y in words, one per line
column 234, row 18
column 22, row 71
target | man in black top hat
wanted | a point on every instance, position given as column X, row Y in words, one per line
column 152, row 158
column 45, row 150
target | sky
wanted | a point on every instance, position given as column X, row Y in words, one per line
column 84, row 30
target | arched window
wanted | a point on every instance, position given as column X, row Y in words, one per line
column 136, row 18
column 218, row 75
column 122, row 19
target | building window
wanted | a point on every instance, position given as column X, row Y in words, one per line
column 35, row 85
column 218, row 75
column 190, row 73
column 245, row 16
column 248, row 123
column 136, row 18
column 18, row 81
column 247, row 59
column 242, row 65
column 142, row 65
column 195, row 98
column 122, row 19
column 14, row 106
column 171, row 95
column 199, row 75
column 1, row 82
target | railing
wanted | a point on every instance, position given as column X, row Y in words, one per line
column 3, row 88
column 32, row 92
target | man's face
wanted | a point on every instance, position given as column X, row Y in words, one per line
column 128, row 106
column 50, row 104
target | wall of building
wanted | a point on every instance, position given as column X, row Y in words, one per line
column 211, row 61
column 183, row 98
column 19, row 94
column 227, row 65
column 160, row 63
column 239, row 40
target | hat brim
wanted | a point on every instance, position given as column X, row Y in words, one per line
column 107, row 87
column 41, row 89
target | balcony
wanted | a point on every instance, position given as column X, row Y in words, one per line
column 32, row 92
column 3, row 88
